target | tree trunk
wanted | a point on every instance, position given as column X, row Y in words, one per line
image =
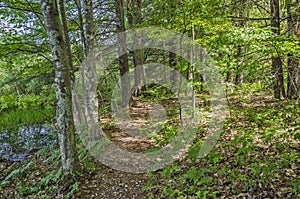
column 66, row 38
column 90, row 65
column 123, row 55
column 241, row 11
column 70, row 60
column 82, row 79
column 293, row 81
column 134, row 16
column 277, row 70
column 62, row 87
column 229, row 77
column 239, row 76
column 80, row 19
column 173, row 64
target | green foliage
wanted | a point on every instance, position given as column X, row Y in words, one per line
column 260, row 136
column 152, row 181
column 167, row 133
column 109, row 126
column 296, row 186
column 16, row 118
column 254, row 158
column 23, row 102
column 49, row 181
column 194, row 150
column 168, row 171
column 171, row 193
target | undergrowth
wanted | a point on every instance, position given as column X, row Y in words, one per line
column 257, row 155
column 42, row 176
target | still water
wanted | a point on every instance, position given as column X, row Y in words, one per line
column 17, row 143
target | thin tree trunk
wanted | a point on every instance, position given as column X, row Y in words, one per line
column 193, row 73
column 134, row 16
column 123, row 55
column 293, row 81
column 80, row 19
column 70, row 60
column 293, row 78
column 229, row 77
column 277, row 70
column 62, row 87
column 173, row 64
column 82, row 69
column 239, row 76
column 241, row 12
column 92, row 99
column 66, row 38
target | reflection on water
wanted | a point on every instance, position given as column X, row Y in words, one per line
column 16, row 144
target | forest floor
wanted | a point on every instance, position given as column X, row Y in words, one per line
column 257, row 156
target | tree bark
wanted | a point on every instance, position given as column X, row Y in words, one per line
column 239, row 76
column 229, row 77
column 82, row 37
column 173, row 64
column 92, row 99
column 66, row 38
column 293, row 81
column 277, row 71
column 62, row 87
column 173, row 61
column 123, row 55
column 82, row 78
column 134, row 16
column 70, row 60
column 241, row 11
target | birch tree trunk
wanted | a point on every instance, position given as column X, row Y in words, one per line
column 66, row 38
column 62, row 87
column 123, row 55
column 70, row 60
column 92, row 99
column 82, row 37
column 79, row 120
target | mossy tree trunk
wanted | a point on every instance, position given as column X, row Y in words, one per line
column 70, row 59
column 62, row 87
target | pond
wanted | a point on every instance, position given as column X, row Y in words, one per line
column 16, row 144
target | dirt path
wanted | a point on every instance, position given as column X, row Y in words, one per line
column 107, row 183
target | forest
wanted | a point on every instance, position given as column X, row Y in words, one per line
column 149, row 99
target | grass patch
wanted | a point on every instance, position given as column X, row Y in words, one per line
column 16, row 118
